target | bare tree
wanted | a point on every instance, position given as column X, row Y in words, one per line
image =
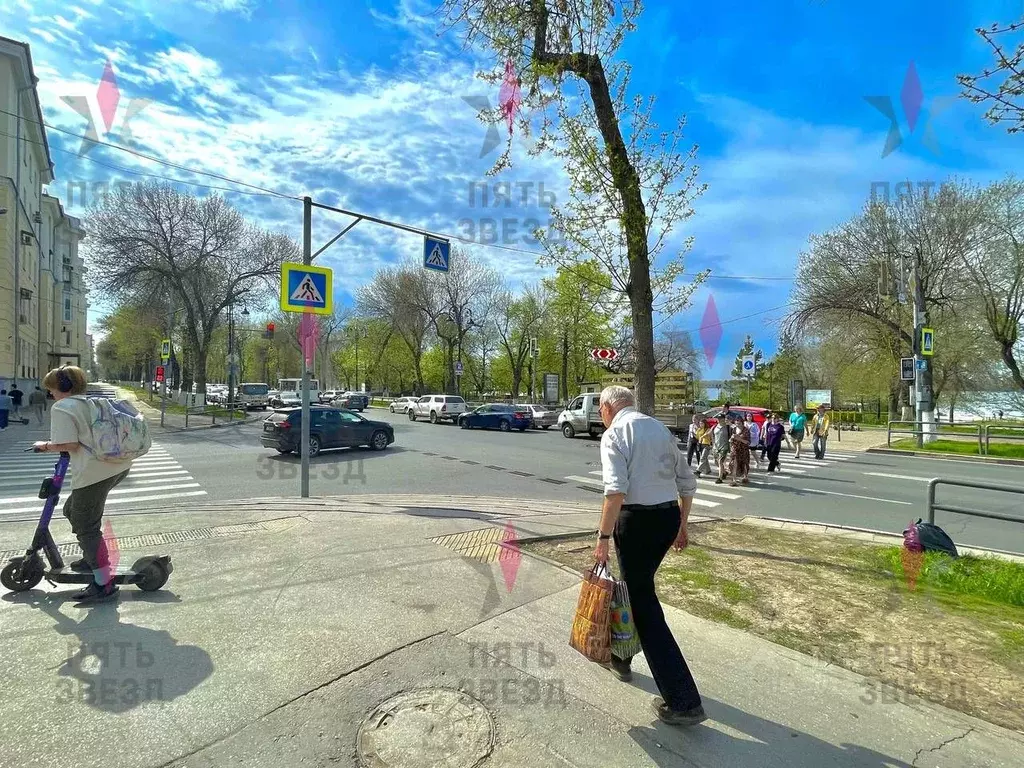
column 608, row 217
column 1006, row 103
column 517, row 321
column 996, row 270
column 403, row 297
column 152, row 243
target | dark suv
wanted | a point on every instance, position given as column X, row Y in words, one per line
column 328, row 428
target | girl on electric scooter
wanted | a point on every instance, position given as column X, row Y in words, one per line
column 92, row 478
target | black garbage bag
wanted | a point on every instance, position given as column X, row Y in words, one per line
column 928, row 537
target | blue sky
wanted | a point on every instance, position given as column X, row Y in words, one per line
column 363, row 105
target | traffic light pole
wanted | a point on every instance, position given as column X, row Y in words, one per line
column 307, row 259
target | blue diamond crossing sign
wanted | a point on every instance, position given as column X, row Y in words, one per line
column 435, row 254
column 306, row 289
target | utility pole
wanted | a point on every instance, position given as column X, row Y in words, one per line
column 231, row 353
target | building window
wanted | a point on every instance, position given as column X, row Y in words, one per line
column 67, row 307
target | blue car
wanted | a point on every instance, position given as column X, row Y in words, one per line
column 497, row 416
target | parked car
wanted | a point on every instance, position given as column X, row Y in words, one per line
column 286, row 400
column 497, row 416
column 330, row 395
column 350, row 401
column 401, row 404
column 438, row 408
column 361, row 397
column 581, row 416
column 542, row 416
column 328, row 428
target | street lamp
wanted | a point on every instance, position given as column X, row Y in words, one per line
column 357, row 333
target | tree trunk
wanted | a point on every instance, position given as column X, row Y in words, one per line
column 565, row 366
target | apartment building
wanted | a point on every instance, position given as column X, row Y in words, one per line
column 43, row 301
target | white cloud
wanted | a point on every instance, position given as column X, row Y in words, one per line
column 242, row 7
column 43, row 34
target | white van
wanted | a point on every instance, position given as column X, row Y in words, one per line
column 253, row 395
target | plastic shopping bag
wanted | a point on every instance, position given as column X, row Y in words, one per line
column 625, row 640
column 591, row 628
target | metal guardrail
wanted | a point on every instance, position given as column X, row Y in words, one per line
column 933, row 507
column 987, row 435
column 212, row 409
column 937, row 431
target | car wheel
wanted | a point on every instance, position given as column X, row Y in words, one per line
column 568, row 431
column 379, row 440
column 392, row 409
column 433, row 417
column 504, row 426
column 412, row 416
column 546, row 426
column 314, row 446
column 283, row 451
column 522, row 429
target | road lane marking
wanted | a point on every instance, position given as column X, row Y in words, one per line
column 591, row 482
column 120, row 491
column 899, row 477
column 855, row 496
column 125, row 500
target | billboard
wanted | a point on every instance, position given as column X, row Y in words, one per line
column 550, row 387
column 816, row 397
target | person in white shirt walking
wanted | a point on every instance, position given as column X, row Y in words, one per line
column 648, row 491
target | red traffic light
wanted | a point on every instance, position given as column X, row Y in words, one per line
column 270, row 327
column 269, row 333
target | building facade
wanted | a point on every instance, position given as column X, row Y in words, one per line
column 43, row 302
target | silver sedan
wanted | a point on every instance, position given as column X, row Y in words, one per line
column 544, row 417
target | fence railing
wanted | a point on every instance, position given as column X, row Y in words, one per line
column 933, row 507
column 987, row 434
column 935, row 429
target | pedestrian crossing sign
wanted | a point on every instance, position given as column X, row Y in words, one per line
column 306, row 289
column 435, row 254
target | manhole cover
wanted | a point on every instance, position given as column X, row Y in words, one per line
column 424, row 729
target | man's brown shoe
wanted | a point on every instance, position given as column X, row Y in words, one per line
column 677, row 717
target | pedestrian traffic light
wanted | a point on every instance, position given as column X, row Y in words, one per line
column 269, row 334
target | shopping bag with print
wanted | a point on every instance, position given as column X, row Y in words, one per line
column 591, row 632
column 625, row 640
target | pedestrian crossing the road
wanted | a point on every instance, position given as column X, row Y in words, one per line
column 156, row 477
column 711, row 494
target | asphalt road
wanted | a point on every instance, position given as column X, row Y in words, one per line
column 875, row 491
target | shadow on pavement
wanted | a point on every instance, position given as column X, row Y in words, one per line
column 767, row 743
column 114, row 666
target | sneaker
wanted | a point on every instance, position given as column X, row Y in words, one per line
column 94, row 593
column 676, row 717
column 718, row 481
column 80, row 566
column 621, row 669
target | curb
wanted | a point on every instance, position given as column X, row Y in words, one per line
column 942, row 455
column 758, row 519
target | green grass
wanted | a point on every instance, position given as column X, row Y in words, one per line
column 220, row 413
column 983, row 578
column 963, row 447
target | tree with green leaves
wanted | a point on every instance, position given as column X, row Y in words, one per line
column 517, row 320
column 626, row 194
column 582, row 303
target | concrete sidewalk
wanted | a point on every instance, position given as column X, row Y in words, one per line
column 334, row 631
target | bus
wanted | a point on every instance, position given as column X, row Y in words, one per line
column 295, row 385
column 253, row 395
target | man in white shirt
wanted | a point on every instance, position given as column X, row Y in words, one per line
column 648, row 491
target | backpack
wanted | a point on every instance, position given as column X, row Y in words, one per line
column 928, row 537
column 117, row 430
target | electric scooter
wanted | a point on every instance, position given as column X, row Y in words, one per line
column 23, row 573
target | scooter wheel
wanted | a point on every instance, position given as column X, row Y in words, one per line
column 152, row 573
column 18, row 577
